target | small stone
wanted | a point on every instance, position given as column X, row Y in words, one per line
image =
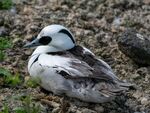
column 78, row 111
column 117, row 21
column 2, row 97
column 139, row 112
column 65, row 7
column 28, row 52
column 85, row 110
column 13, row 10
column 144, row 101
column 3, row 31
column 1, row 105
column 26, row 78
column 27, row 10
column 16, row 40
column 87, row 32
column 146, row 2
column 18, row 1
column 135, row 76
column 2, row 21
column 42, row 2
column 56, row 110
column 99, row 109
column 114, row 29
column 137, row 94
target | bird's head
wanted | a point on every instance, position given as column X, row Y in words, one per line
column 55, row 36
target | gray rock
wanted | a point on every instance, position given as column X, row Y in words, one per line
column 3, row 31
column 85, row 110
column 135, row 46
column 18, row 1
column 99, row 109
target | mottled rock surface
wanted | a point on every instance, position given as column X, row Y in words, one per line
column 96, row 24
column 135, row 46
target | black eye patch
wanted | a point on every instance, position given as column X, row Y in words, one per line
column 45, row 40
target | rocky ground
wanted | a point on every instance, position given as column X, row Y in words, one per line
column 95, row 24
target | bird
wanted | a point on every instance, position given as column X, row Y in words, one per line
column 64, row 67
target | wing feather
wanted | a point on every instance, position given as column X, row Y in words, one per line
column 80, row 63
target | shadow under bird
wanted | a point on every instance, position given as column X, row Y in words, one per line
column 63, row 67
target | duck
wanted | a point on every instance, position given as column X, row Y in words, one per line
column 66, row 68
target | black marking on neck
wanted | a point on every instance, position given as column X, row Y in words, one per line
column 56, row 53
column 67, row 33
column 61, row 52
column 35, row 60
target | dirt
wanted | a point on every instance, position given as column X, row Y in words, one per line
column 95, row 24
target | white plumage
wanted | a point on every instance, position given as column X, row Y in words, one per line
column 66, row 68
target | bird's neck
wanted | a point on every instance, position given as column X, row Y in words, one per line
column 47, row 49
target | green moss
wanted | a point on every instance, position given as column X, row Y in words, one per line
column 9, row 79
column 5, row 4
column 2, row 55
column 4, row 72
column 5, row 43
column 32, row 82
column 28, row 106
column 13, row 80
column 5, row 109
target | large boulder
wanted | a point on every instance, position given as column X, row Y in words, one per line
column 135, row 46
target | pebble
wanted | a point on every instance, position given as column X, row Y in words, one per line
column 146, row 1
column 13, row 10
column 99, row 109
column 18, row 1
column 85, row 110
column 117, row 21
column 137, row 94
column 56, row 110
column 144, row 101
column 3, row 31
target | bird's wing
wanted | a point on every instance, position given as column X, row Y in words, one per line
column 70, row 67
column 101, row 70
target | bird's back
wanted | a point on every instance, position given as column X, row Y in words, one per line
column 78, row 73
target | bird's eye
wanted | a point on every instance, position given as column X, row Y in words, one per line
column 45, row 40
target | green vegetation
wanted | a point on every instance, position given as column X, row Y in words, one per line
column 32, row 82
column 2, row 55
column 5, row 109
column 13, row 80
column 9, row 79
column 28, row 106
column 4, row 72
column 5, row 4
column 5, row 43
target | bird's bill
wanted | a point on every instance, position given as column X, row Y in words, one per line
column 34, row 43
